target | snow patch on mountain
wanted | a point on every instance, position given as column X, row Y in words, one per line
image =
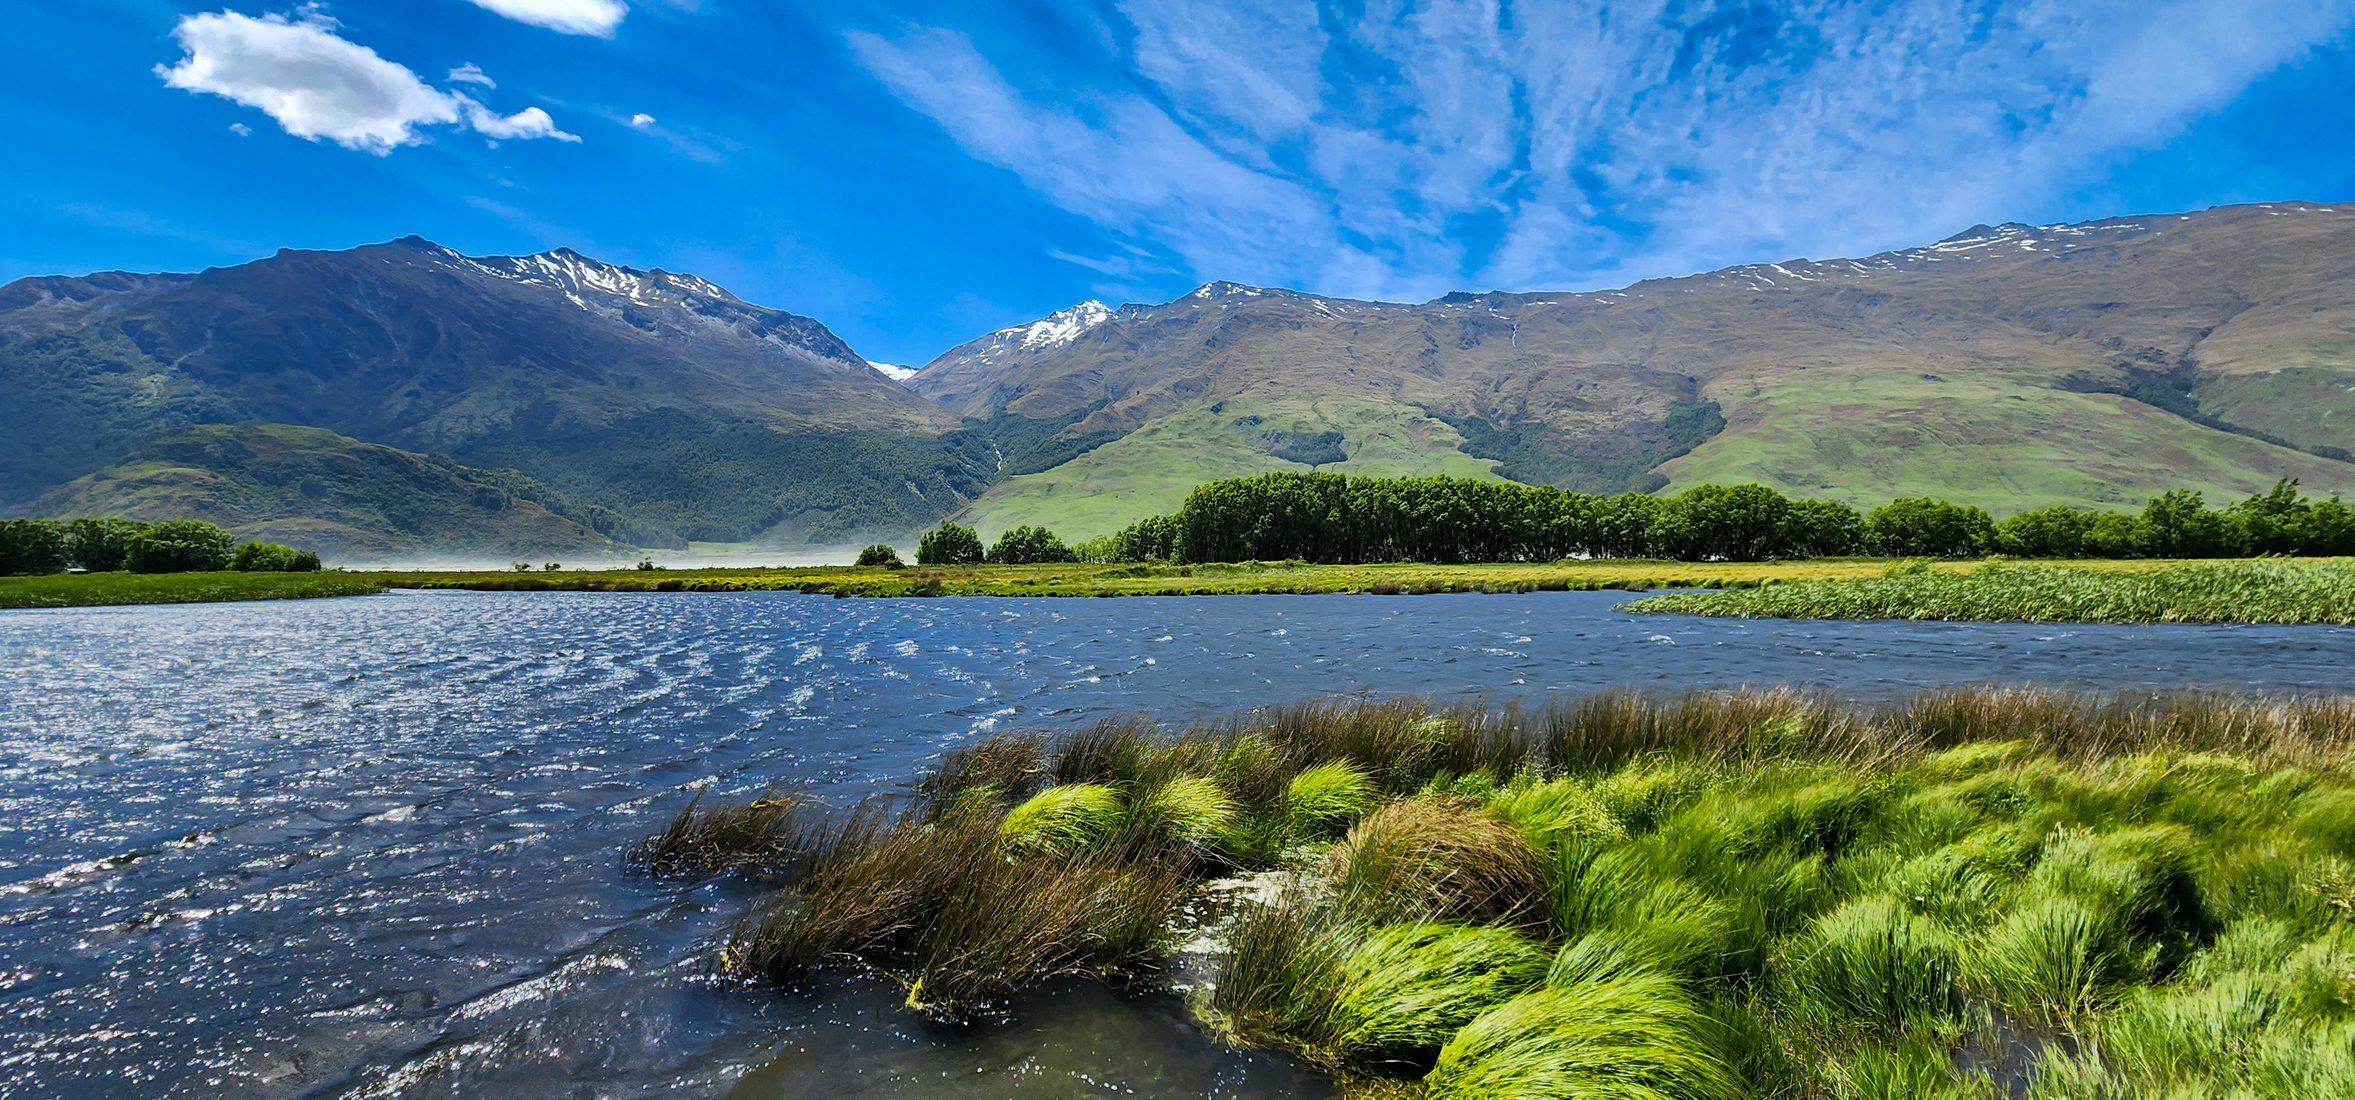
column 893, row 371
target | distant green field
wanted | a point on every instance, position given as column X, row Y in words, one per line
column 2309, row 590
column 1871, row 438
column 1245, row 578
column 109, row 589
column 1150, row 471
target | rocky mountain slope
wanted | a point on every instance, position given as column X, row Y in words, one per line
column 2007, row 365
column 661, row 396
column 355, row 501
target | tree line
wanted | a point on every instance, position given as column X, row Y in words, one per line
column 38, row 546
column 1338, row 519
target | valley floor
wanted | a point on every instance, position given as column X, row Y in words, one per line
column 2280, row 591
column 1246, row 578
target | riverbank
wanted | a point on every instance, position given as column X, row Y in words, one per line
column 1763, row 894
column 2286, row 591
column 118, row 589
column 1158, row 579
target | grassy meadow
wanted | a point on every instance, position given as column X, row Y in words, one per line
column 111, row 589
column 1759, row 894
column 2252, row 591
column 1158, row 579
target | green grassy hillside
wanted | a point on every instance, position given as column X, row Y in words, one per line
column 1150, row 471
column 1999, row 441
column 347, row 499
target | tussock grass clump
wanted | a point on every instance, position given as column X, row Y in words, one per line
column 1001, row 771
column 701, row 841
column 1441, row 858
column 1323, row 800
column 1062, row 819
column 1760, row 893
column 1188, row 811
column 1406, row 990
column 1636, row 1038
column 1873, row 961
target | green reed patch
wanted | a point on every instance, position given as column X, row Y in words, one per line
column 1760, row 893
column 2255, row 591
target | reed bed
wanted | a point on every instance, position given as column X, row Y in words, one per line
column 1663, row 897
column 117, row 589
column 2256, row 591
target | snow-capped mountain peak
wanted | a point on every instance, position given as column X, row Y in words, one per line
column 568, row 271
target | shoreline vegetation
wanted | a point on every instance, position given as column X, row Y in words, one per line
column 2253, row 591
column 123, row 589
column 1661, row 897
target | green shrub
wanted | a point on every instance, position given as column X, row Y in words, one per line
column 179, row 546
column 882, row 556
column 949, row 544
column 31, row 547
column 1029, row 545
column 102, row 545
column 271, row 557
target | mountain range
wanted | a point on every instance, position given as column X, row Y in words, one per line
column 401, row 398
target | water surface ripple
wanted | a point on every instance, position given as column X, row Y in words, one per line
column 371, row 846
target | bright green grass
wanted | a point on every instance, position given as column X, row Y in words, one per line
column 1150, row 471
column 2319, row 590
column 1979, row 438
column 1756, row 894
column 1158, row 579
column 108, row 589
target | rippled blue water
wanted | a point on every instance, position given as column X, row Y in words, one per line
column 373, row 845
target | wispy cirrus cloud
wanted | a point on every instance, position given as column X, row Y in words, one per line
column 597, row 18
column 1421, row 145
column 319, row 85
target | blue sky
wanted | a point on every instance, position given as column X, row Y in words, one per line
column 916, row 173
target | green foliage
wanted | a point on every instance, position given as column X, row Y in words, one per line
column 271, row 557
column 117, row 589
column 2264, row 591
column 1919, row 527
column 881, row 555
column 1188, row 810
column 1062, row 819
column 179, row 546
column 949, row 544
column 1728, row 894
column 1408, row 988
column 1321, row 801
column 1329, row 517
column 103, row 545
column 1029, row 546
column 1873, row 960
column 34, row 546
column 1633, row 1038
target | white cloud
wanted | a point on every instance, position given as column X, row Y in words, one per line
column 470, row 73
column 590, row 17
column 319, row 85
column 241, row 129
column 641, row 120
column 531, row 122
column 1428, row 144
